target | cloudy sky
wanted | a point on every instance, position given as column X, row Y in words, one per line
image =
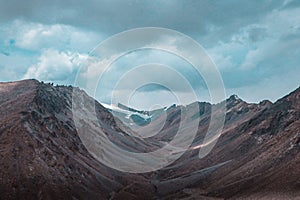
column 254, row 44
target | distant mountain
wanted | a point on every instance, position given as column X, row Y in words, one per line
column 42, row 156
column 130, row 116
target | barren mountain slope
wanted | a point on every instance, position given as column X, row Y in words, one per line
column 42, row 156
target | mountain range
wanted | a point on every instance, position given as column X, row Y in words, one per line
column 42, row 156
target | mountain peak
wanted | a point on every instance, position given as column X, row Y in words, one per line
column 233, row 100
column 234, row 97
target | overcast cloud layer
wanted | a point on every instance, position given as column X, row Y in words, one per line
column 254, row 44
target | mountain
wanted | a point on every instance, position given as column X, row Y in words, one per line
column 131, row 116
column 42, row 156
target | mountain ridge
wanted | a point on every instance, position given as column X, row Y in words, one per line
column 42, row 156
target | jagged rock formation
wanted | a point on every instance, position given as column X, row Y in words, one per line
column 42, row 156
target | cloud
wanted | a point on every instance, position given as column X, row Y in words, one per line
column 129, row 64
column 260, row 50
column 12, row 67
column 55, row 66
column 191, row 17
column 36, row 36
column 271, row 88
column 252, row 44
column 45, row 52
column 280, row 44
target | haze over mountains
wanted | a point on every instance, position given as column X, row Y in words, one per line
column 43, row 157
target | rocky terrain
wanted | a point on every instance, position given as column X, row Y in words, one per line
column 43, row 157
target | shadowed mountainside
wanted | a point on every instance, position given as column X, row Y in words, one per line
column 42, row 156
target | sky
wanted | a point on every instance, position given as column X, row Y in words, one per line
column 255, row 45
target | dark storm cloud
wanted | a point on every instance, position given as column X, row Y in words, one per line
column 195, row 18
